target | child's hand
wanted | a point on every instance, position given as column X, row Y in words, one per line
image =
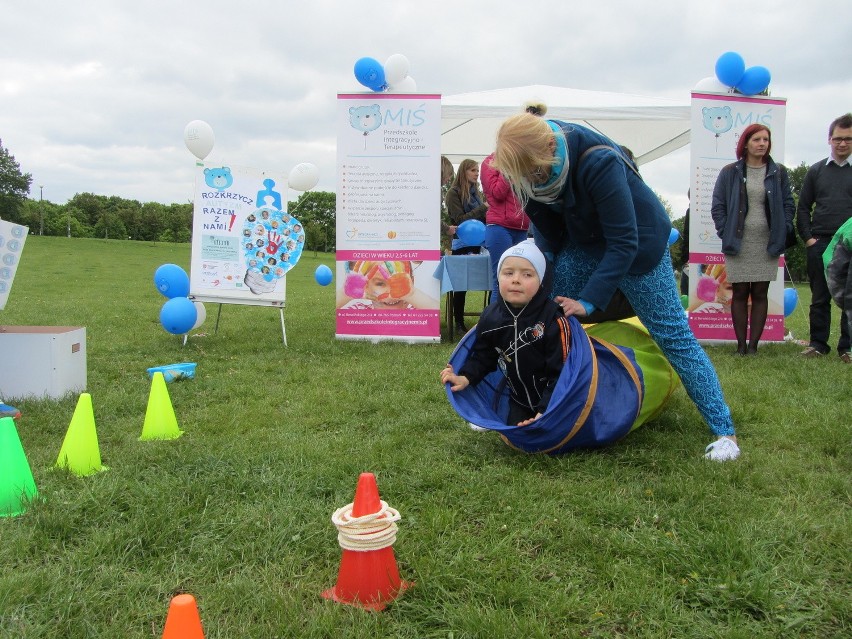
column 529, row 421
column 457, row 382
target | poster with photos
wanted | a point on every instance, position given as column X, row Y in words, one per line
column 12, row 239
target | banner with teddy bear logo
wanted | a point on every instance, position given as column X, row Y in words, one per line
column 243, row 239
column 717, row 121
column 388, row 217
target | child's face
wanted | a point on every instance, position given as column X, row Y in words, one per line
column 378, row 288
column 518, row 281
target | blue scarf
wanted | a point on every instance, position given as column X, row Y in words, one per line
column 474, row 200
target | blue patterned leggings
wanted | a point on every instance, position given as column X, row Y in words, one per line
column 655, row 299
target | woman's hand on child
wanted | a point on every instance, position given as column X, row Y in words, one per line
column 456, row 382
column 570, row 307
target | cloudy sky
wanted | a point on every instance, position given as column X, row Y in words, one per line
column 95, row 95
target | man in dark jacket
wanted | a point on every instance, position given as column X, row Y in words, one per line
column 825, row 203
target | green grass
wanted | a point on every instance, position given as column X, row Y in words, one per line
column 642, row 539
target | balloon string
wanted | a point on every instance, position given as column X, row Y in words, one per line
column 369, row 532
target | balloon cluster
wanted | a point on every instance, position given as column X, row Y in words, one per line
column 732, row 74
column 179, row 314
column 393, row 76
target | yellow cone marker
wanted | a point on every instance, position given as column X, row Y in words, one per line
column 160, row 420
column 80, row 453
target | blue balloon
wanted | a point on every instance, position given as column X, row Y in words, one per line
column 172, row 281
column 730, row 68
column 674, row 236
column 471, row 232
column 754, row 81
column 323, row 275
column 178, row 315
column 791, row 299
column 370, row 73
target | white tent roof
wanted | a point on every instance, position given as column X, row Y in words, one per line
column 650, row 127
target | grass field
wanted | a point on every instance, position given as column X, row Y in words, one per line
column 641, row 539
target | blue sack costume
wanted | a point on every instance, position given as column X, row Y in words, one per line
column 603, row 392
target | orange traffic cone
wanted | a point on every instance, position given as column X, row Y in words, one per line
column 368, row 576
column 183, row 621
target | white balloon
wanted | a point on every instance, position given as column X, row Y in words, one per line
column 198, row 137
column 711, row 84
column 303, row 177
column 396, row 68
column 406, row 85
column 202, row 315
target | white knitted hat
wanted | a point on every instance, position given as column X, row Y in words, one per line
column 530, row 252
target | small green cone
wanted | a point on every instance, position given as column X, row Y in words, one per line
column 80, row 453
column 17, row 486
column 160, row 420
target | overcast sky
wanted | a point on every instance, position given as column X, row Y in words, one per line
column 95, row 95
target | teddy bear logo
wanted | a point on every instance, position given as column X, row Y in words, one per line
column 717, row 120
column 218, row 178
column 365, row 119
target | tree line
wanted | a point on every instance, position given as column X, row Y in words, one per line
column 113, row 217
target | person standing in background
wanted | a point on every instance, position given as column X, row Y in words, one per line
column 753, row 212
column 448, row 174
column 506, row 222
column 464, row 202
column 825, row 204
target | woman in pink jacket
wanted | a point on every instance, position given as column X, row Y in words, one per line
column 506, row 222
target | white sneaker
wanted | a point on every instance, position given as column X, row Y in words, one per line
column 478, row 429
column 723, row 449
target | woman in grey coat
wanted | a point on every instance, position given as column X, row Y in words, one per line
column 753, row 212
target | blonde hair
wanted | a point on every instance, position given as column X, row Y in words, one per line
column 524, row 143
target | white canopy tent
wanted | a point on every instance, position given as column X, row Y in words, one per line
column 650, row 127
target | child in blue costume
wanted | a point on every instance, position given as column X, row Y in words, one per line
column 523, row 333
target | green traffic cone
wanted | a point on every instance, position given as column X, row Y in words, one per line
column 80, row 453
column 17, row 486
column 160, row 420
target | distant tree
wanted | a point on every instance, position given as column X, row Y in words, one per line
column 679, row 250
column 666, row 204
column 797, row 178
column 152, row 221
column 14, row 186
column 90, row 206
column 317, row 211
column 178, row 223
column 796, row 257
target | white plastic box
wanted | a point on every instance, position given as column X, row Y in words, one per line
column 42, row 361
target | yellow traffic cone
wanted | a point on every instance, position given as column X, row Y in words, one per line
column 160, row 420
column 79, row 452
